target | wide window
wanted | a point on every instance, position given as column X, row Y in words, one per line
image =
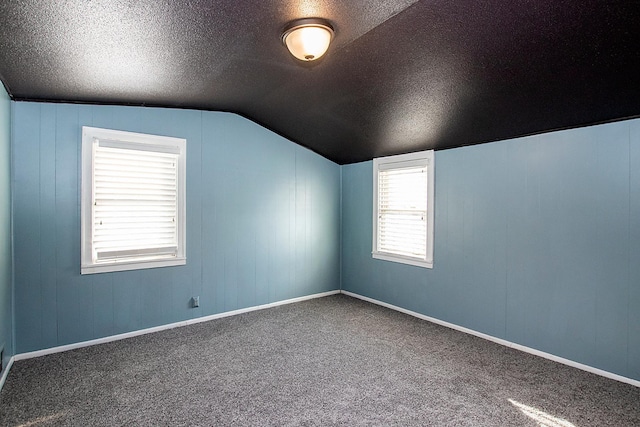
column 133, row 201
column 403, row 194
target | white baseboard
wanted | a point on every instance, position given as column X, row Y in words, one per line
column 506, row 343
column 3, row 378
column 111, row 338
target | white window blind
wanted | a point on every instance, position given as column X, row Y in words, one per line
column 402, row 211
column 135, row 201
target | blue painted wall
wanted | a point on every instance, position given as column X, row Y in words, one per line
column 262, row 224
column 537, row 241
column 6, row 318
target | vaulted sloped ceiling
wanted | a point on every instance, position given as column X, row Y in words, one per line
column 400, row 76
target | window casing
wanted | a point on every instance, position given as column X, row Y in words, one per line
column 403, row 214
column 133, row 201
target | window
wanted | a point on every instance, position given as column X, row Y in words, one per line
column 403, row 193
column 133, row 201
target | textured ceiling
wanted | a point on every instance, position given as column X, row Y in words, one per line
column 401, row 75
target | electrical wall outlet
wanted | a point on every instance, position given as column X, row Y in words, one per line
column 195, row 302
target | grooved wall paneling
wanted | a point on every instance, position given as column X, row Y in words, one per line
column 262, row 224
column 537, row 241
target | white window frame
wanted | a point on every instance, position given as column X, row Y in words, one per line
column 426, row 158
column 146, row 142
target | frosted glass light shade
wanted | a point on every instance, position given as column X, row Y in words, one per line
column 308, row 39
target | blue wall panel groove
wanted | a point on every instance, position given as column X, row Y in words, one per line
column 633, row 301
column 262, row 224
column 26, row 217
column 48, row 271
column 537, row 241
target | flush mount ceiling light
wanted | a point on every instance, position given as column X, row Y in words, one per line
column 308, row 39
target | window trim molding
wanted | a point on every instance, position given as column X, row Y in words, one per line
column 382, row 163
column 131, row 138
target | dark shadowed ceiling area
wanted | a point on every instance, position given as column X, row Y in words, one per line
column 400, row 75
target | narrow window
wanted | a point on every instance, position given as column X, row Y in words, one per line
column 403, row 208
column 133, row 201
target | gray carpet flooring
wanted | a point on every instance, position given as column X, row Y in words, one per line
column 329, row 361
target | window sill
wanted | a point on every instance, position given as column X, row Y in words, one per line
column 132, row 265
column 403, row 260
